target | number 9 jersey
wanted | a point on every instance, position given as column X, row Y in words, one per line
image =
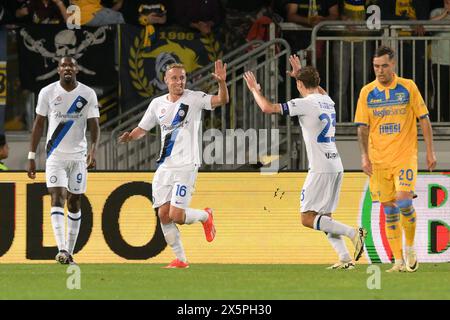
column 317, row 118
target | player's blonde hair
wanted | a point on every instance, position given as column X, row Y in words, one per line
column 175, row 65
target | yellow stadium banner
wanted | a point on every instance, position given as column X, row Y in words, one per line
column 256, row 216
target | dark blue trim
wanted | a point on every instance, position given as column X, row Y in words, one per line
column 74, row 108
column 68, row 216
column 318, row 222
column 169, row 139
column 61, row 132
column 285, row 109
column 407, row 214
column 393, row 219
column 358, row 124
column 183, row 109
column 64, row 127
column 169, row 142
column 57, row 213
column 424, row 116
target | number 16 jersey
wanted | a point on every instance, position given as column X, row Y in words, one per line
column 317, row 118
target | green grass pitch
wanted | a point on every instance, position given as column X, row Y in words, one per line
column 220, row 282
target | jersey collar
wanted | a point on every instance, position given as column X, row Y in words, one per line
column 62, row 88
column 393, row 85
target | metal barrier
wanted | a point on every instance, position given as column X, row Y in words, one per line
column 412, row 57
column 347, row 63
column 241, row 113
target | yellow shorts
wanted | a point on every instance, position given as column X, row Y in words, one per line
column 385, row 183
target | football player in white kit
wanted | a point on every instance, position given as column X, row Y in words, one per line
column 320, row 193
column 178, row 113
column 70, row 106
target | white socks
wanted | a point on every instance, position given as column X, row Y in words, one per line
column 339, row 246
column 326, row 224
column 57, row 216
column 194, row 215
column 73, row 227
column 173, row 239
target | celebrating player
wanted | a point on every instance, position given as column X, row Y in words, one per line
column 179, row 114
column 387, row 133
column 320, row 194
column 69, row 105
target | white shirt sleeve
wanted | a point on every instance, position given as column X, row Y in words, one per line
column 204, row 100
column 42, row 104
column 294, row 107
column 149, row 120
column 93, row 111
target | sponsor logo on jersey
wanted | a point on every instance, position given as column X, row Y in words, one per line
column 389, row 128
column 60, row 115
column 400, row 96
column 53, row 179
column 326, row 106
column 332, row 155
column 381, row 113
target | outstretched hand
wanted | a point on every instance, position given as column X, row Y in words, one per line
column 220, row 71
column 250, row 79
column 124, row 138
column 296, row 66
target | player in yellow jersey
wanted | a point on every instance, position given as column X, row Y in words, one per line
column 387, row 133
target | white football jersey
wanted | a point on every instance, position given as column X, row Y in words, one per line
column 67, row 114
column 317, row 118
column 180, row 127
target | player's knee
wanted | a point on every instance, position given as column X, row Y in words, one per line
column 163, row 214
column 58, row 200
column 74, row 203
column 177, row 218
column 389, row 204
column 177, row 215
column 307, row 220
column 406, row 206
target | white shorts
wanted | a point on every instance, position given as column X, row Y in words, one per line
column 70, row 174
column 321, row 192
column 176, row 186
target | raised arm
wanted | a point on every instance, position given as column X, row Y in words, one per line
column 427, row 132
column 36, row 134
column 265, row 105
column 363, row 140
column 94, row 129
column 220, row 74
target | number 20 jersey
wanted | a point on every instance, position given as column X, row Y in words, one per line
column 317, row 118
